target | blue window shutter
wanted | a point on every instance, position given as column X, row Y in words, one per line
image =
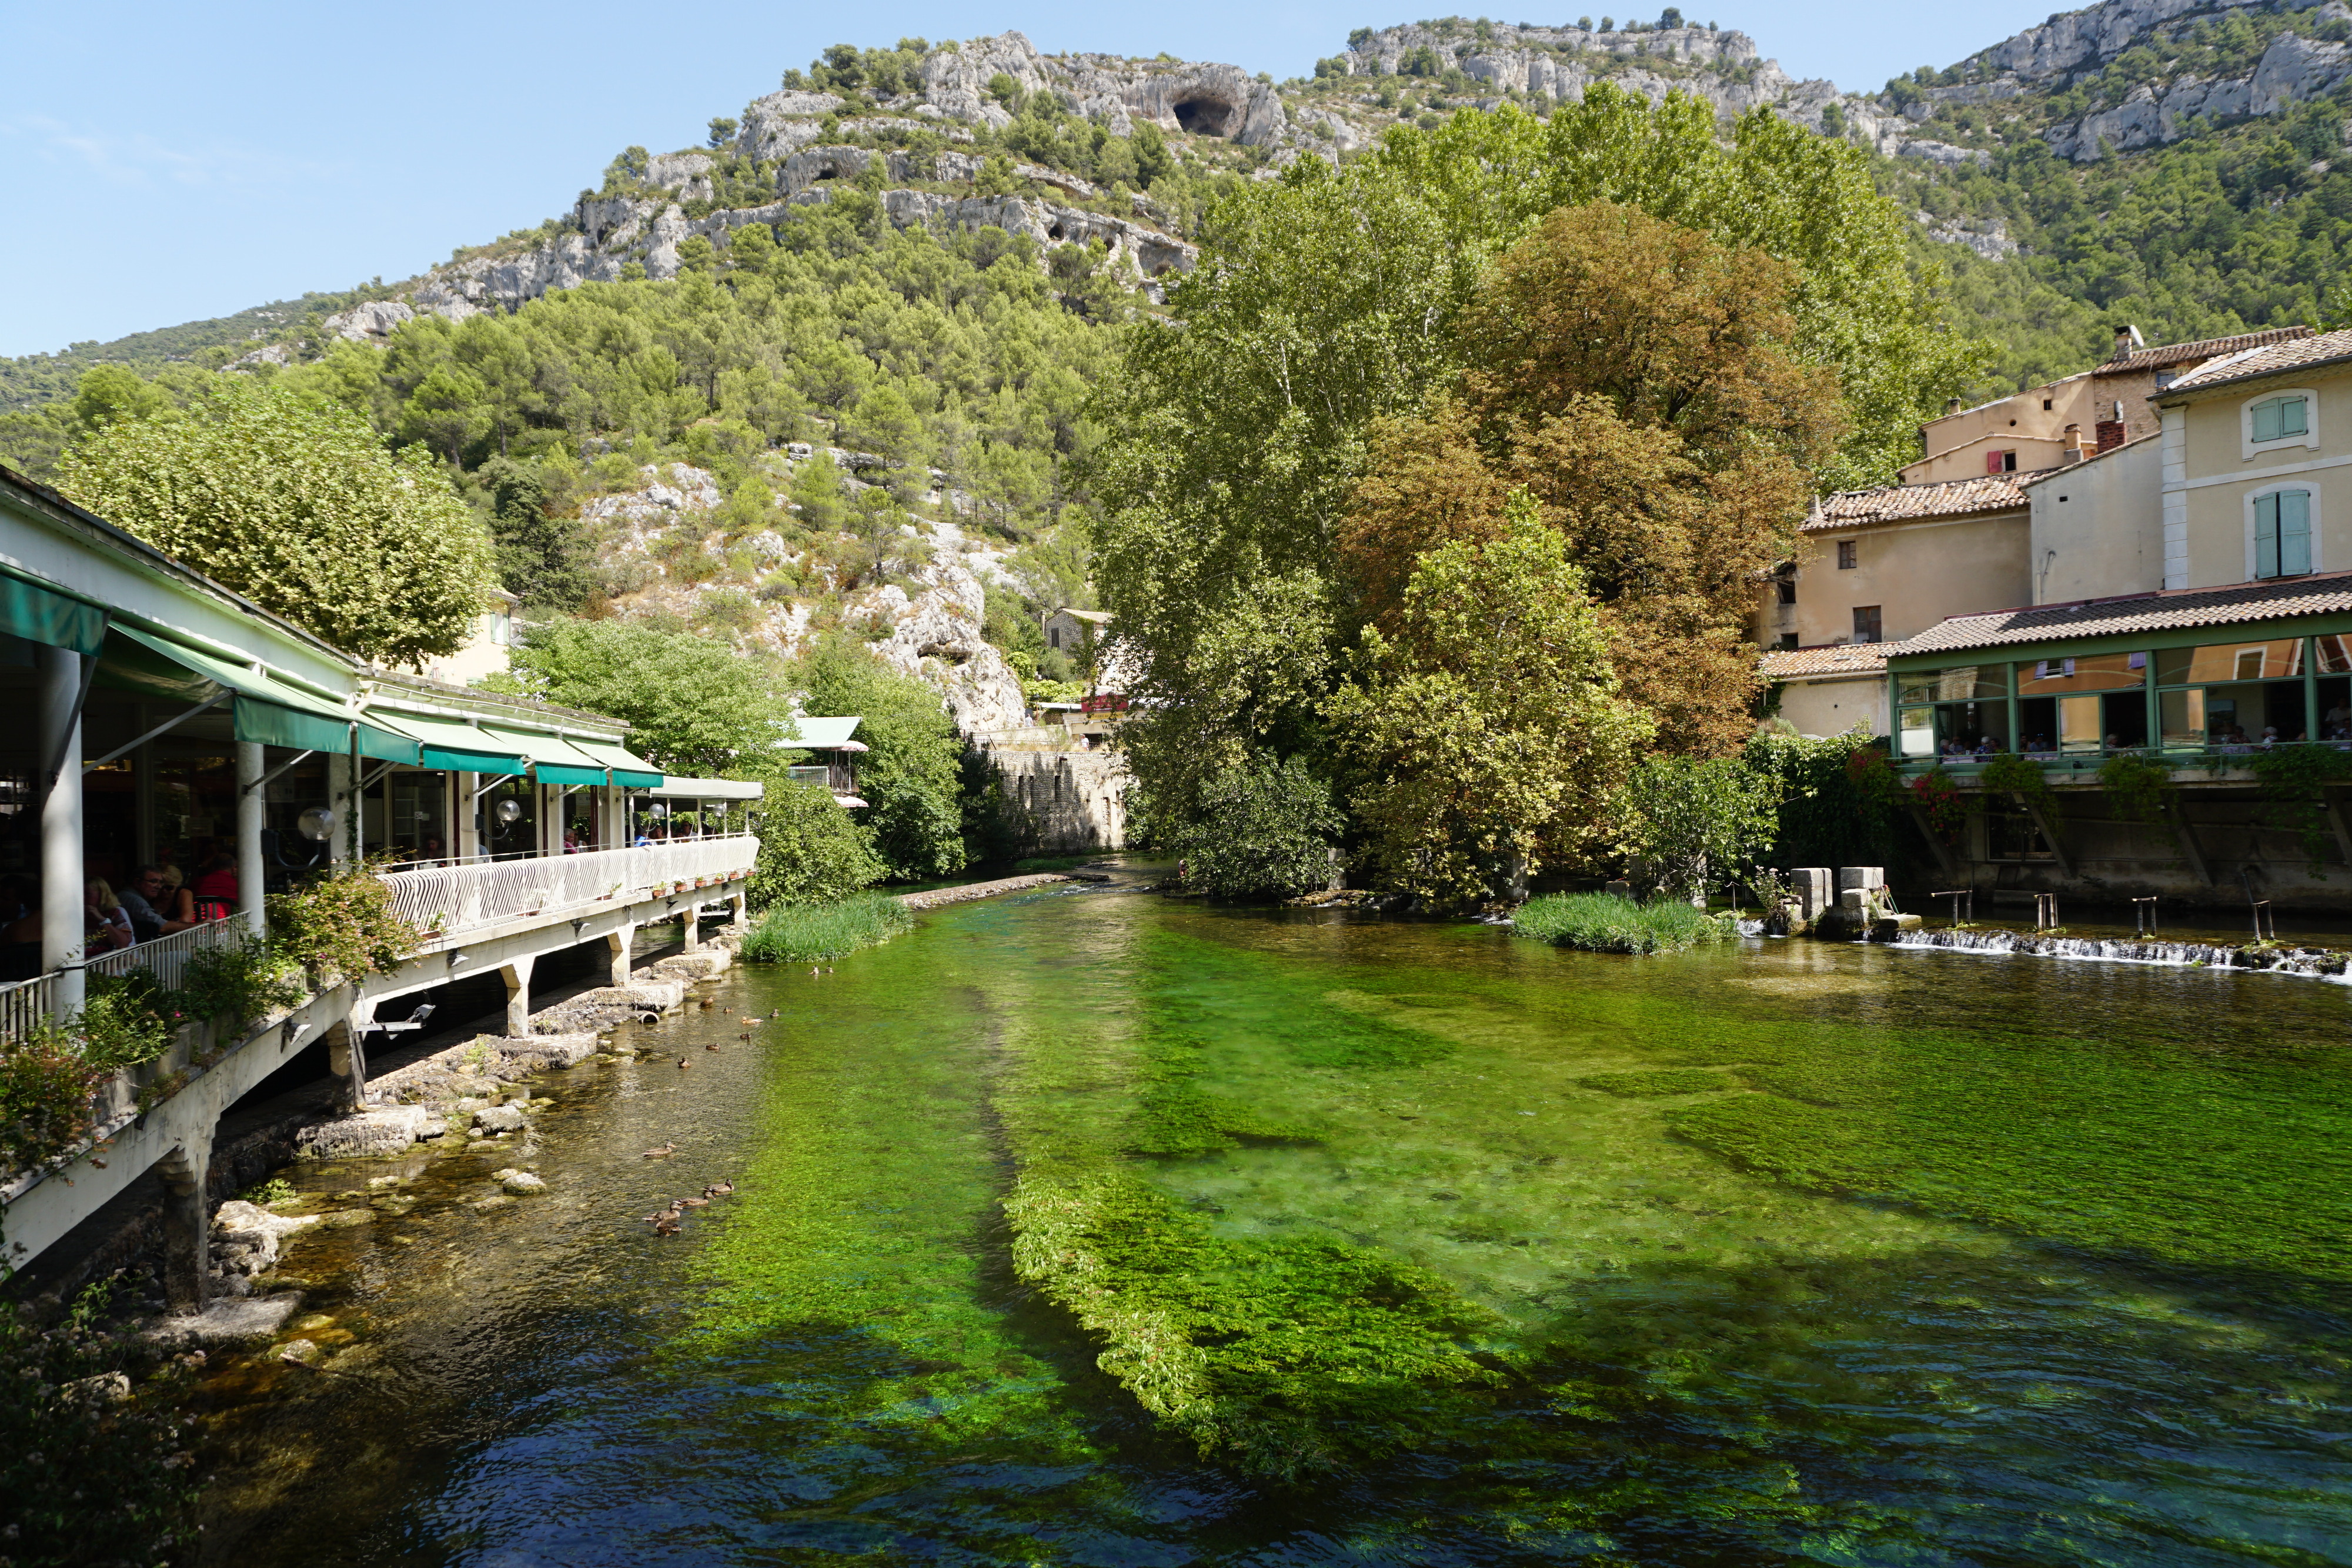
column 2293, row 532
column 2292, row 413
column 2266, row 533
column 2266, row 419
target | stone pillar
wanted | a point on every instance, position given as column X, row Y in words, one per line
column 250, row 801
column 347, row 1055
column 187, row 1241
column 61, row 856
column 620, row 941
column 517, row 976
column 689, row 928
column 1811, row 886
column 743, row 916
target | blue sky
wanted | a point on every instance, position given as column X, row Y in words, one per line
column 166, row 162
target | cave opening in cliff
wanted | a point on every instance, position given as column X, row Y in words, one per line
column 1204, row 116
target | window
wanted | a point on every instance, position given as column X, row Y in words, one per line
column 1849, row 555
column 2277, row 418
column 1054, row 637
column 2089, row 702
column 2001, row 462
column 501, row 628
column 1867, row 626
column 1962, row 710
column 2045, row 405
column 2283, row 533
column 2229, row 694
column 1787, row 639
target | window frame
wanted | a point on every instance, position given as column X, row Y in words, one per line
column 2251, row 505
column 2308, row 438
column 1849, row 554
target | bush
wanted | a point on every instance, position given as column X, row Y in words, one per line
column 806, row 933
column 85, row 1476
column 810, row 850
column 46, row 1083
column 1263, row 831
column 237, row 982
column 340, row 927
column 1605, row 923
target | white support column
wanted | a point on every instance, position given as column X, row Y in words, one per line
column 465, row 842
column 347, row 1054
column 61, row 853
column 142, row 795
column 689, row 928
column 250, row 801
column 620, row 942
column 345, row 802
column 517, row 975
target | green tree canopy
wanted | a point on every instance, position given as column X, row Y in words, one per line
column 694, row 706
column 297, row 505
column 911, row 776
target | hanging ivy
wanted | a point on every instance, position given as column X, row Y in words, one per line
column 2294, row 780
column 2137, row 790
column 1947, row 810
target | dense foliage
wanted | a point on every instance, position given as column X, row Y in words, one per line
column 298, row 506
column 811, row 852
column 1265, row 830
column 1605, row 923
column 693, row 706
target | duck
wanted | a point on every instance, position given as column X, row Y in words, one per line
column 658, row 1217
column 775, row 1012
column 683, row 1064
column 667, row 1227
column 694, row 1203
column 661, row 1154
column 713, row 1045
column 815, row 971
column 719, row 1189
column 752, row 1023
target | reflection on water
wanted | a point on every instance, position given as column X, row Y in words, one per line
column 1801, row 1253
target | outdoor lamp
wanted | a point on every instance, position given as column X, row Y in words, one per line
column 316, row 824
column 508, row 811
column 658, row 811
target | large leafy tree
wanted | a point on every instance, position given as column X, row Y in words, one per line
column 1486, row 730
column 695, row 705
column 911, row 775
column 296, row 505
column 1639, row 379
column 1330, row 298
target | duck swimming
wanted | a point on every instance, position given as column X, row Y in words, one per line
column 661, row 1154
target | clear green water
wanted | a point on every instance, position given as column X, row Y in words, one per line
column 1087, row 1228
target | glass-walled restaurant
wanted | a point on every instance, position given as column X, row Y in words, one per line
column 2219, row 696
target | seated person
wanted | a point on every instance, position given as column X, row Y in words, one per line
column 215, row 891
column 106, row 927
column 157, row 909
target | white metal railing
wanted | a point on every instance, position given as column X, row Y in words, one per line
column 24, row 1003
column 446, row 901
column 166, row 958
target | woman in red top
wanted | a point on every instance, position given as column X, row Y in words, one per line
column 215, row 890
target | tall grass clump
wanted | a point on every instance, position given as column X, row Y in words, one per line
column 806, row 933
column 1605, row 923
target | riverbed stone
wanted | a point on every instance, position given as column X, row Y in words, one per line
column 499, row 1119
column 246, row 1320
column 519, row 1182
column 537, row 1052
column 379, row 1130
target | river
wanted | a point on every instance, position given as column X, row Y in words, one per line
column 1092, row 1227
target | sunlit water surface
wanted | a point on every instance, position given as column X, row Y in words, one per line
column 2092, row 1310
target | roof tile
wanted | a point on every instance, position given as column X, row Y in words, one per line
column 2314, row 348
column 2164, row 354
column 2171, row 609
column 1901, row 503
column 1836, row 659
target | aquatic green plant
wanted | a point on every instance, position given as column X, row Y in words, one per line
column 1605, row 923
column 1667, row 1081
column 799, row 932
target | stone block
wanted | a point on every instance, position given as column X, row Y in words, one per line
column 1866, row 877
column 247, row 1320
column 1853, row 901
column 499, row 1119
column 1811, row 886
column 379, row 1130
column 547, row 1050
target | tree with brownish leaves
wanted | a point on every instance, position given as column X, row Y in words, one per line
column 1636, row 378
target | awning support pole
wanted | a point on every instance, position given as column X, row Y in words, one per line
column 281, row 768
column 159, row 730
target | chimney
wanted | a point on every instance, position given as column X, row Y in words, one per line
column 1951, row 407
column 2127, row 339
column 2111, row 432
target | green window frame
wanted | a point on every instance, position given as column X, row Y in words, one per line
column 2279, row 418
column 2283, row 534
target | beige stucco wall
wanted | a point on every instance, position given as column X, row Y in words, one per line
column 1917, row 573
column 2212, row 483
column 1955, row 445
column 485, row 653
column 2098, row 527
column 1834, row 706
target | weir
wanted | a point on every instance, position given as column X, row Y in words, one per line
column 2315, row 963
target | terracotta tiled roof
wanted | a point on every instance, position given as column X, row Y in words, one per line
column 2294, row 354
column 2164, row 354
column 1902, row 503
column 1837, row 658
column 2174, row 610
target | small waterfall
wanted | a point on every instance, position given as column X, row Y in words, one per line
column 1747, row 927
column 2315, row 963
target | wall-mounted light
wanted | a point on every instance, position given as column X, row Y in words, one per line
column 316, row 824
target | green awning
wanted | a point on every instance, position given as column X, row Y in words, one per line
column 455, row 746
column 268, row 711
column 554, row 760
column 629, row 772
column 39, row 614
